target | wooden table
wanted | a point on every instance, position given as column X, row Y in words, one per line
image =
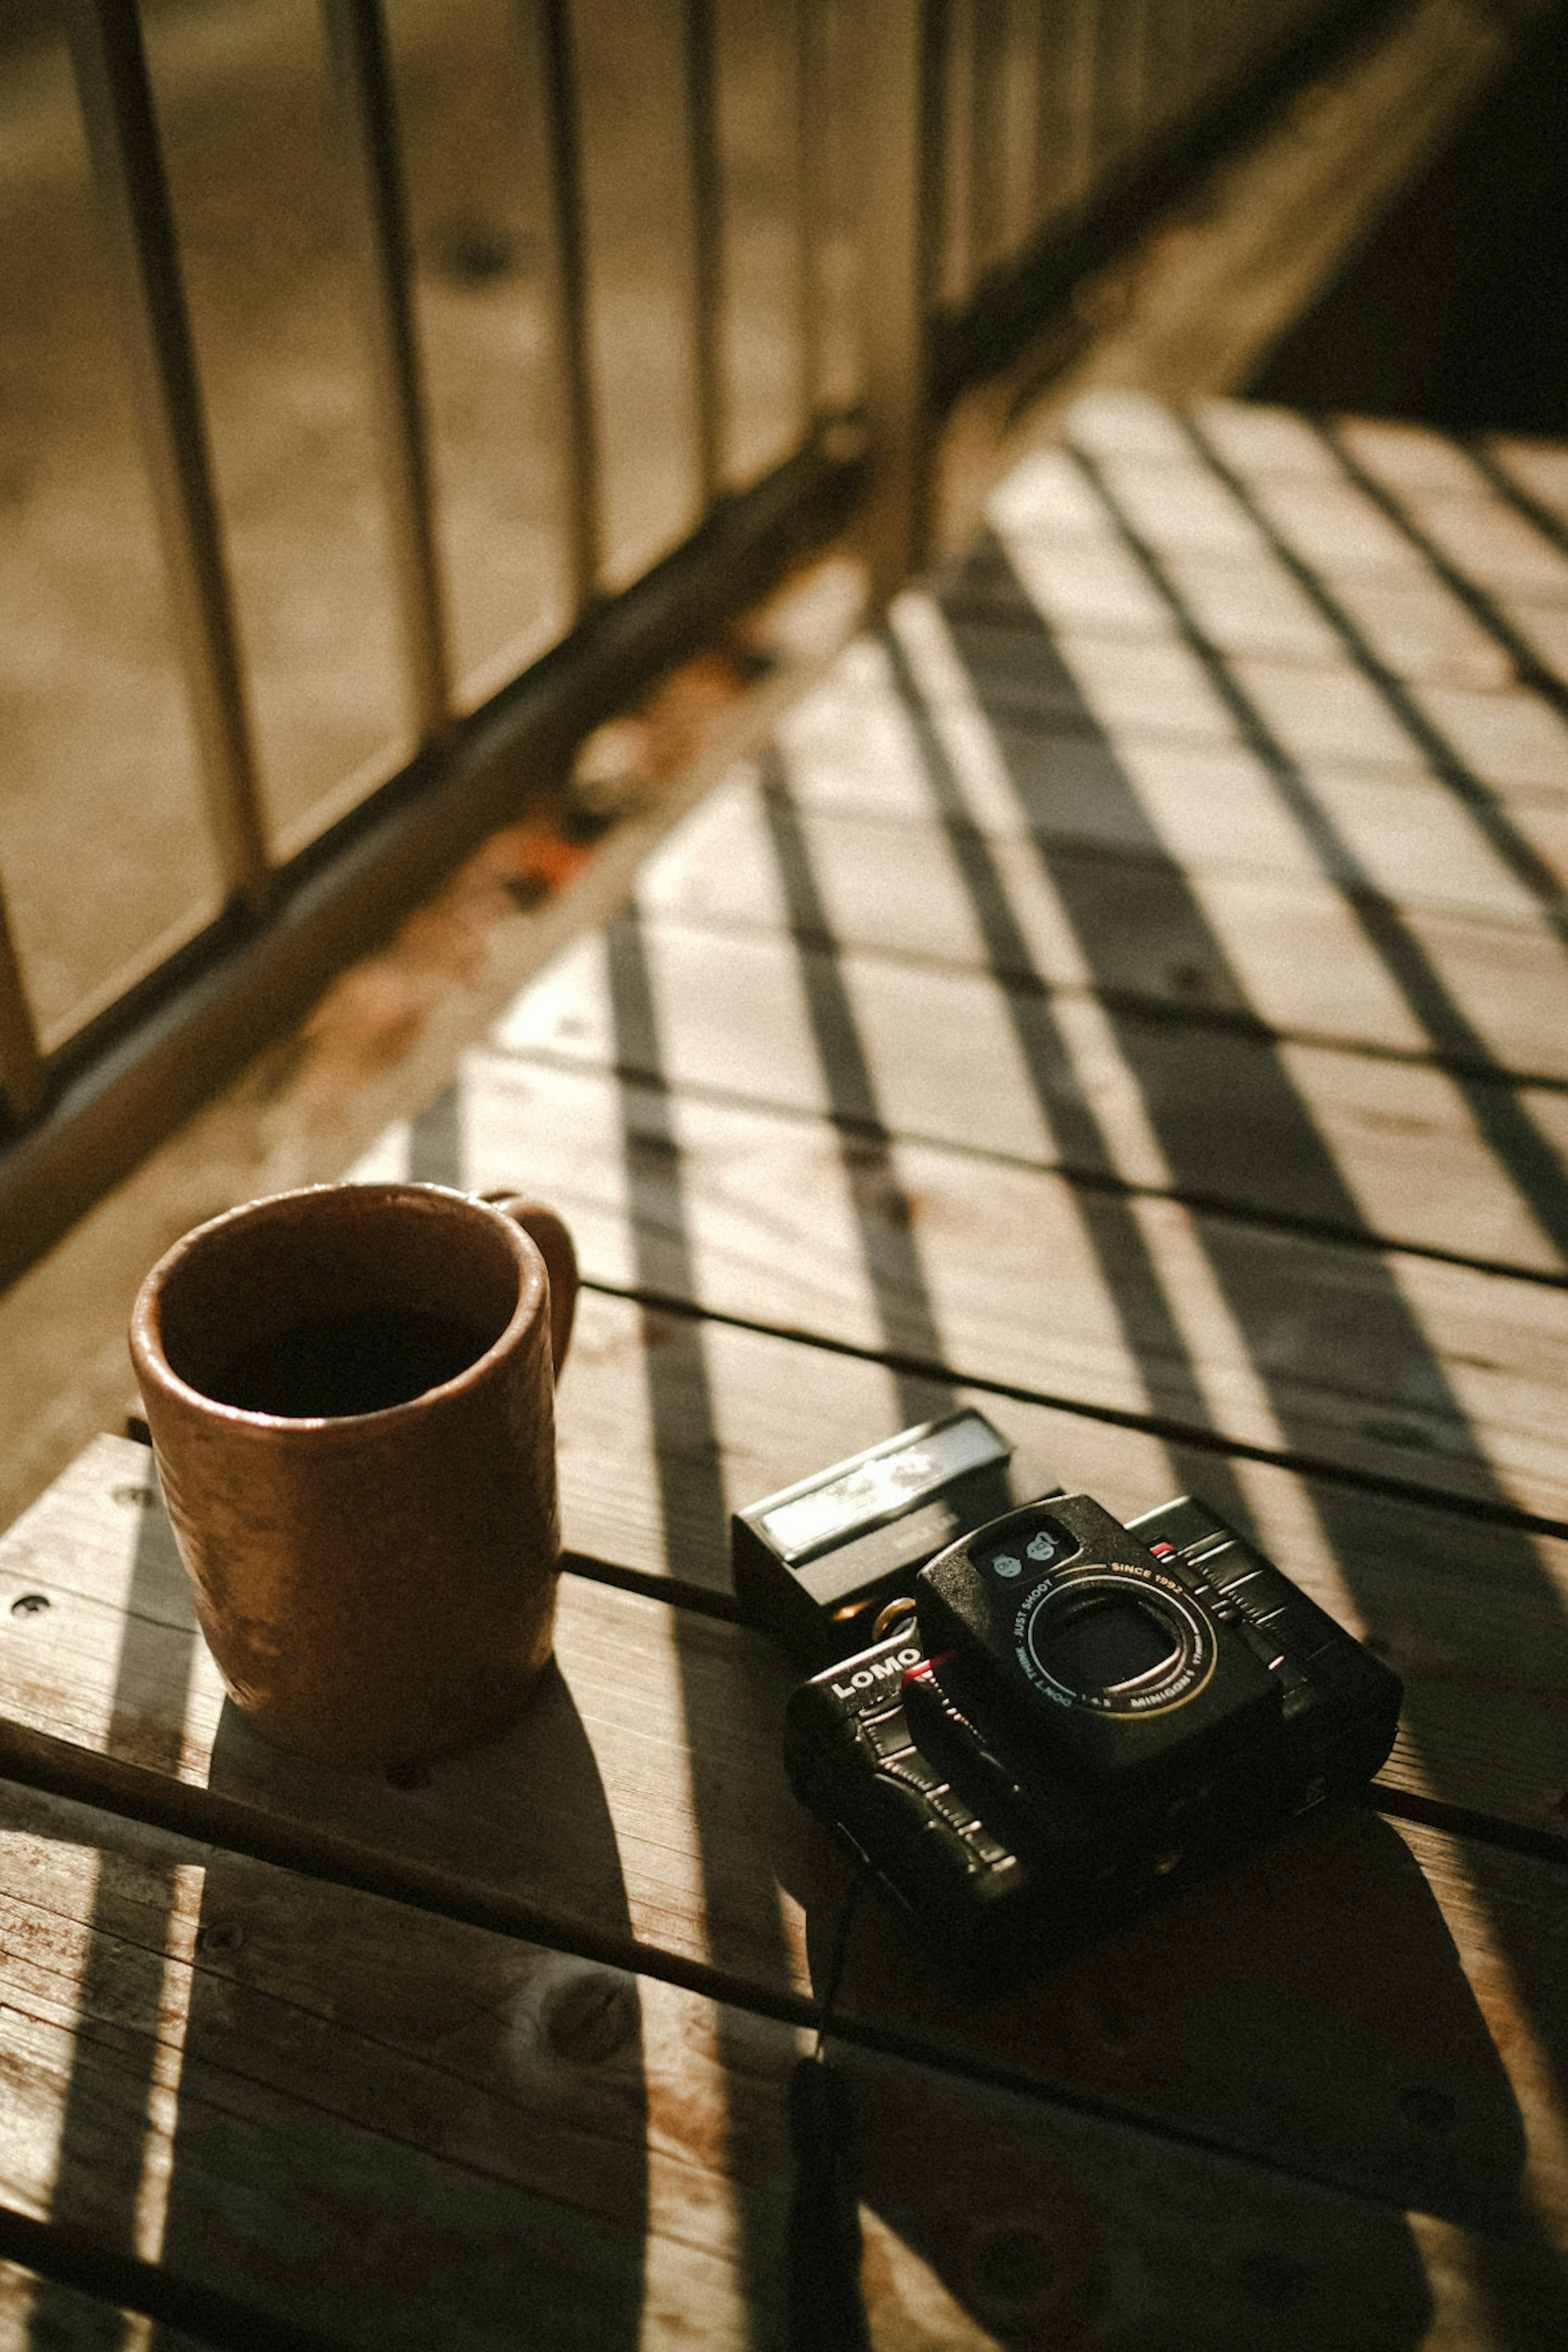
column 1130, row 994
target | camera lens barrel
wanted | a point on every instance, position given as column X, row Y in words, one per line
column 1090, row 1642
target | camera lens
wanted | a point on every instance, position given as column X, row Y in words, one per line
column 1108, row 1645
column 1106, row 1642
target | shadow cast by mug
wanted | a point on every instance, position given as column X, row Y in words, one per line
column 494, row 2071
column 386, row 2120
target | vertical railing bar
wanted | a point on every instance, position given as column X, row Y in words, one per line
column 707, row 223
column 21, row 1063
column 564, row 136
column 1133, row 80
column 1023, row 75
column 1151, row 22
column 1043, row 155
column 987, row 137
column 1100, row 84
column 356, row 44
column 116, row 99
column 1060, row 126
column 1179, row 54
column 1159, row 61
column 1087, row 144
column 954, row 170
column 902, row 64
column 810, row 142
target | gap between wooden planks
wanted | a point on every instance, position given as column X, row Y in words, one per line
column 1427, row 1374
column 394, row 2129
column 1522, row 1960
column 1209, row 1110
column 666, row 1426
column 1265, row 954
column 80, row 2319
column 1264, row 949
column 659, row 1745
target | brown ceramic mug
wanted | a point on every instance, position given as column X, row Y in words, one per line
column 351, row 1394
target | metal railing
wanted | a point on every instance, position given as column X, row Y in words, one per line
column 932, row 169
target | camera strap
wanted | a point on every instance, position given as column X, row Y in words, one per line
column 826, row 2313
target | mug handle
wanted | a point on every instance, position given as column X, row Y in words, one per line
column 556, row 1246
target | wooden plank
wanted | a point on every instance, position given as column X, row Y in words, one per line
column 1397, row 1367
column 1345, row 533
column 1497, row 748
column 1250, row 607
column 398, row 2129
column 1455, row 1605
column 372, row 2122
column 1102, row 905
column 1539, row 468
column 1091, row 733
column 1219, row 807
column 1111, row 666
column 1350, row 1142
column 642, row 1803
column 1433, row 480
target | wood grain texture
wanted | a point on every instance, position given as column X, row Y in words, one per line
column 1222, row 919
column 1471, row 1615
column 979, row 703
column 1367, row 1145
column 1399, row 1367
column 936, row 1046
column 1313, row 2007
column 399, row 2129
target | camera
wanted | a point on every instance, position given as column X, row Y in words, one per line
column 1067, row 1719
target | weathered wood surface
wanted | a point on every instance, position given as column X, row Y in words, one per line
column 1178, row 740
column 1357, row 1144
column 1408, row 1368
column 1360, row 500
column 1311, row 2009
column 1135, row 981
column 1286, row 758
column 399, row 2129
column 1215, row 923
column 995, row 728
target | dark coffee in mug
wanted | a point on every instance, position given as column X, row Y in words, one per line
column 338, row 1364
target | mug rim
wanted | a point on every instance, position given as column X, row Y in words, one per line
column 148, row 1360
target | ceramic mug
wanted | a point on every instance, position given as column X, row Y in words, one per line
column 350, row 1395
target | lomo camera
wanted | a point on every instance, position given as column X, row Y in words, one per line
column 1067, row 1720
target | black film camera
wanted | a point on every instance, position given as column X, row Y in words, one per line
column 1074, row 1718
